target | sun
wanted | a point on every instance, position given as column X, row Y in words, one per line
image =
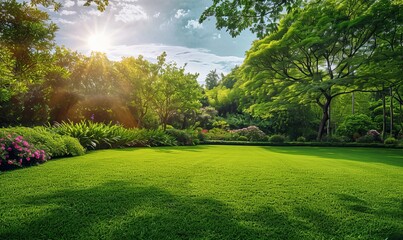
column 99, row 42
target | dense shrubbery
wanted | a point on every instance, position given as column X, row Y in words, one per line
column 184, row 137
column 100, row 135
column 391, row 141
column 220, row 134
column 53, row 144
column 355, row 126
column 277, row 139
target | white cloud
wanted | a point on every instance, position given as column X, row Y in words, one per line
column 131, row 13
column 68, row 4
column 216, row 36
column 194, row 24
column 62, row 21
column 94, row 12
column 157, row 15
column 181, row 13
column 198, row 60
column 67, row 12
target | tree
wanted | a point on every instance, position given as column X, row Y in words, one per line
column 26, row 39
column 212, row 79
column 314, row 53
column 176, row 91
column 140, row 76
column 261, row 17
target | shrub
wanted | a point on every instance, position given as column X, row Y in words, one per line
column 73, row 146
column 220, row 124
column 183, row 138
column 252, row 133
column 391, row 141
column 277, row 139
column 42, row 138
column 96, row 135
column 366, row 139
column 150, row 138
column 355, row 126
column 159, row 138
column 220, row 134
column 301, row 139
column 242, row 138
column 15, row 151
column 333, row 139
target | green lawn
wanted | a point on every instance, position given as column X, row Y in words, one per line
column 208, row 192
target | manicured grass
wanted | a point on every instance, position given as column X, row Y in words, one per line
column 208, row 192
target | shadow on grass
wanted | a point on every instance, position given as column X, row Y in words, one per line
column 386, row 156
column 117, row 210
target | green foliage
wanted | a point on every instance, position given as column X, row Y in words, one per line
column 301, row 139
column 277, row 139
column 52, row 143
column 261, row 17
column 243, row 138
column 73, row 146
column 220, row 134
column 366, row 139
column 183, row 137
column 355, row 126
column 333, row 139
column 212, row 79
column 152, row 138
column 391, row 141
column 222, row 124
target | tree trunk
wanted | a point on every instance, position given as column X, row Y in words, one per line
column 384, row 116
column 353, row 103
column 325, row 118
column 391, row 111
column 329, row 122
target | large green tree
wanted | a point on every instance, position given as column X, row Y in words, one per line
column 314, row 54
column 26, row 39
column 140, row 76
column 177, row 92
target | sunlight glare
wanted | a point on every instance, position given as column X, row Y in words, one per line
column 98, row 42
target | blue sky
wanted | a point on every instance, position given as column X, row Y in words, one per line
column 149, row 27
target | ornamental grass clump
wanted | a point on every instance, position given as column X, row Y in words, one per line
column 16, row 152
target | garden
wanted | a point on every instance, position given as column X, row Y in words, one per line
column 302, row 140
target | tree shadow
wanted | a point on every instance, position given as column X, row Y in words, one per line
column 354, row 203
column 392, row 157
column 119, row 210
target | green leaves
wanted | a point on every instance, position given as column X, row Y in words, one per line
column 261, row 17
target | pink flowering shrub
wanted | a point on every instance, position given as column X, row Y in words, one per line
column 253, row 133
column 16, row 152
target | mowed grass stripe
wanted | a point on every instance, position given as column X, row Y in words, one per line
column 208, row 192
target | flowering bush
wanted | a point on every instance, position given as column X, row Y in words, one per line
column 16, row 152
column 253, row 133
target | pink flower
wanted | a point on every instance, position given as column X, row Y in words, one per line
column 28, row 159
column 25, row 143
column 9, row 149
column 20, row 161
column 9, row 162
